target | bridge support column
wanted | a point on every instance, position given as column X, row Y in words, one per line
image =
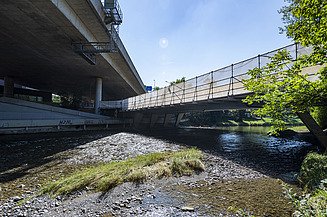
column 137, row 119
column 153, row 120
column 8, row 90
column 167, row 119
column 98, row 95
column 314, row 128
column 178, row 119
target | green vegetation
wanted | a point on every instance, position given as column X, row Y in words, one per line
column 279, row 85
column 156, row 88
column 235, row 118
column 108, row 175
column 313, row 170
column 309, row 204
column 313, row 177
column 240, row 212
column 178, row 81
column 320, row 115
column 56, row 99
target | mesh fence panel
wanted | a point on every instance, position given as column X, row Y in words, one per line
column 190, row 89
column 216, row 84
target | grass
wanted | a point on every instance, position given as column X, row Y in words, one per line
column 299, row 128
column 259, row 122
column 105, row 176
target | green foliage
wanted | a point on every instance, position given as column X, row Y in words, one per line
column 281, row 90
column 280, row 86
column 313, row 170
column 56, row 99
column 313, row 177
column 240, row 212
column 178, row 81
column 156, row 88
column 105, row 176
column 309, row 204
column 305, row 22
column 320, row 115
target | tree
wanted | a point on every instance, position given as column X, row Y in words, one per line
column 178, row 81
column 280, row 86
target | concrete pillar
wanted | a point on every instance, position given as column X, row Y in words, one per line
column 167, row 120
column 153, row 120
column 178, row 119
column 137, row 119
column 98, row 95
column 8, row 89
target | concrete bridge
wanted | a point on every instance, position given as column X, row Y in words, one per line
column 221, row 89
column 72, row 48
column 38, row 41
column 65, row 47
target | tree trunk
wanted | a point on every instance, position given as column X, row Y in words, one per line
column 314, row 128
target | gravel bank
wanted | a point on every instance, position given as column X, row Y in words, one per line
column 153, row 198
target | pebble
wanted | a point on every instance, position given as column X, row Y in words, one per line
column 16, row 198
column 187, row 209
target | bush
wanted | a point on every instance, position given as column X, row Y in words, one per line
column 313, row 170
column 309, row 204
column 320, row 115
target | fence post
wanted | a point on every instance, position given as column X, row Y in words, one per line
column 211, row 86
column 173, row 94
column 259, row 62
column 183, row 97
column 164, row 97
column 232, row 79
column 196, row 89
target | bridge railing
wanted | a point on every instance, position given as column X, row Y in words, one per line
column 221, row 83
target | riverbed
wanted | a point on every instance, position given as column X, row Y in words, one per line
column 244, row 170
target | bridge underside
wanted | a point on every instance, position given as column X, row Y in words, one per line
column 36, row 50
column 171, row 115
column 203, row 105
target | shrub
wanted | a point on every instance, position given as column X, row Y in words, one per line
column 320, row 115
column 313, row 170
column 309, row 204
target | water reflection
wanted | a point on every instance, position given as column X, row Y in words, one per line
column 247, row 146
column 230, row 142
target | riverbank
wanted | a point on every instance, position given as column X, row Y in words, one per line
column 28, row 163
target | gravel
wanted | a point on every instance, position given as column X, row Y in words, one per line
column 128, row 199
column 119, row 146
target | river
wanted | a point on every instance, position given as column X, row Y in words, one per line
column 242, row 165
column 248, row 146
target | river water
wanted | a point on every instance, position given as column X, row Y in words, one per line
column 26, row 160
column 248, row 146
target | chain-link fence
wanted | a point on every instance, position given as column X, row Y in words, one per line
column 224, row 82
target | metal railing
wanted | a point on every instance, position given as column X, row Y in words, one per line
column 221, row 83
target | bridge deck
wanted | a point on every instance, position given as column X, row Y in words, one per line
column 219, row 89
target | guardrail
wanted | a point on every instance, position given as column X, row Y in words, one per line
column 224, row 82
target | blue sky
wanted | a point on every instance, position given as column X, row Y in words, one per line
column 169, row 39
